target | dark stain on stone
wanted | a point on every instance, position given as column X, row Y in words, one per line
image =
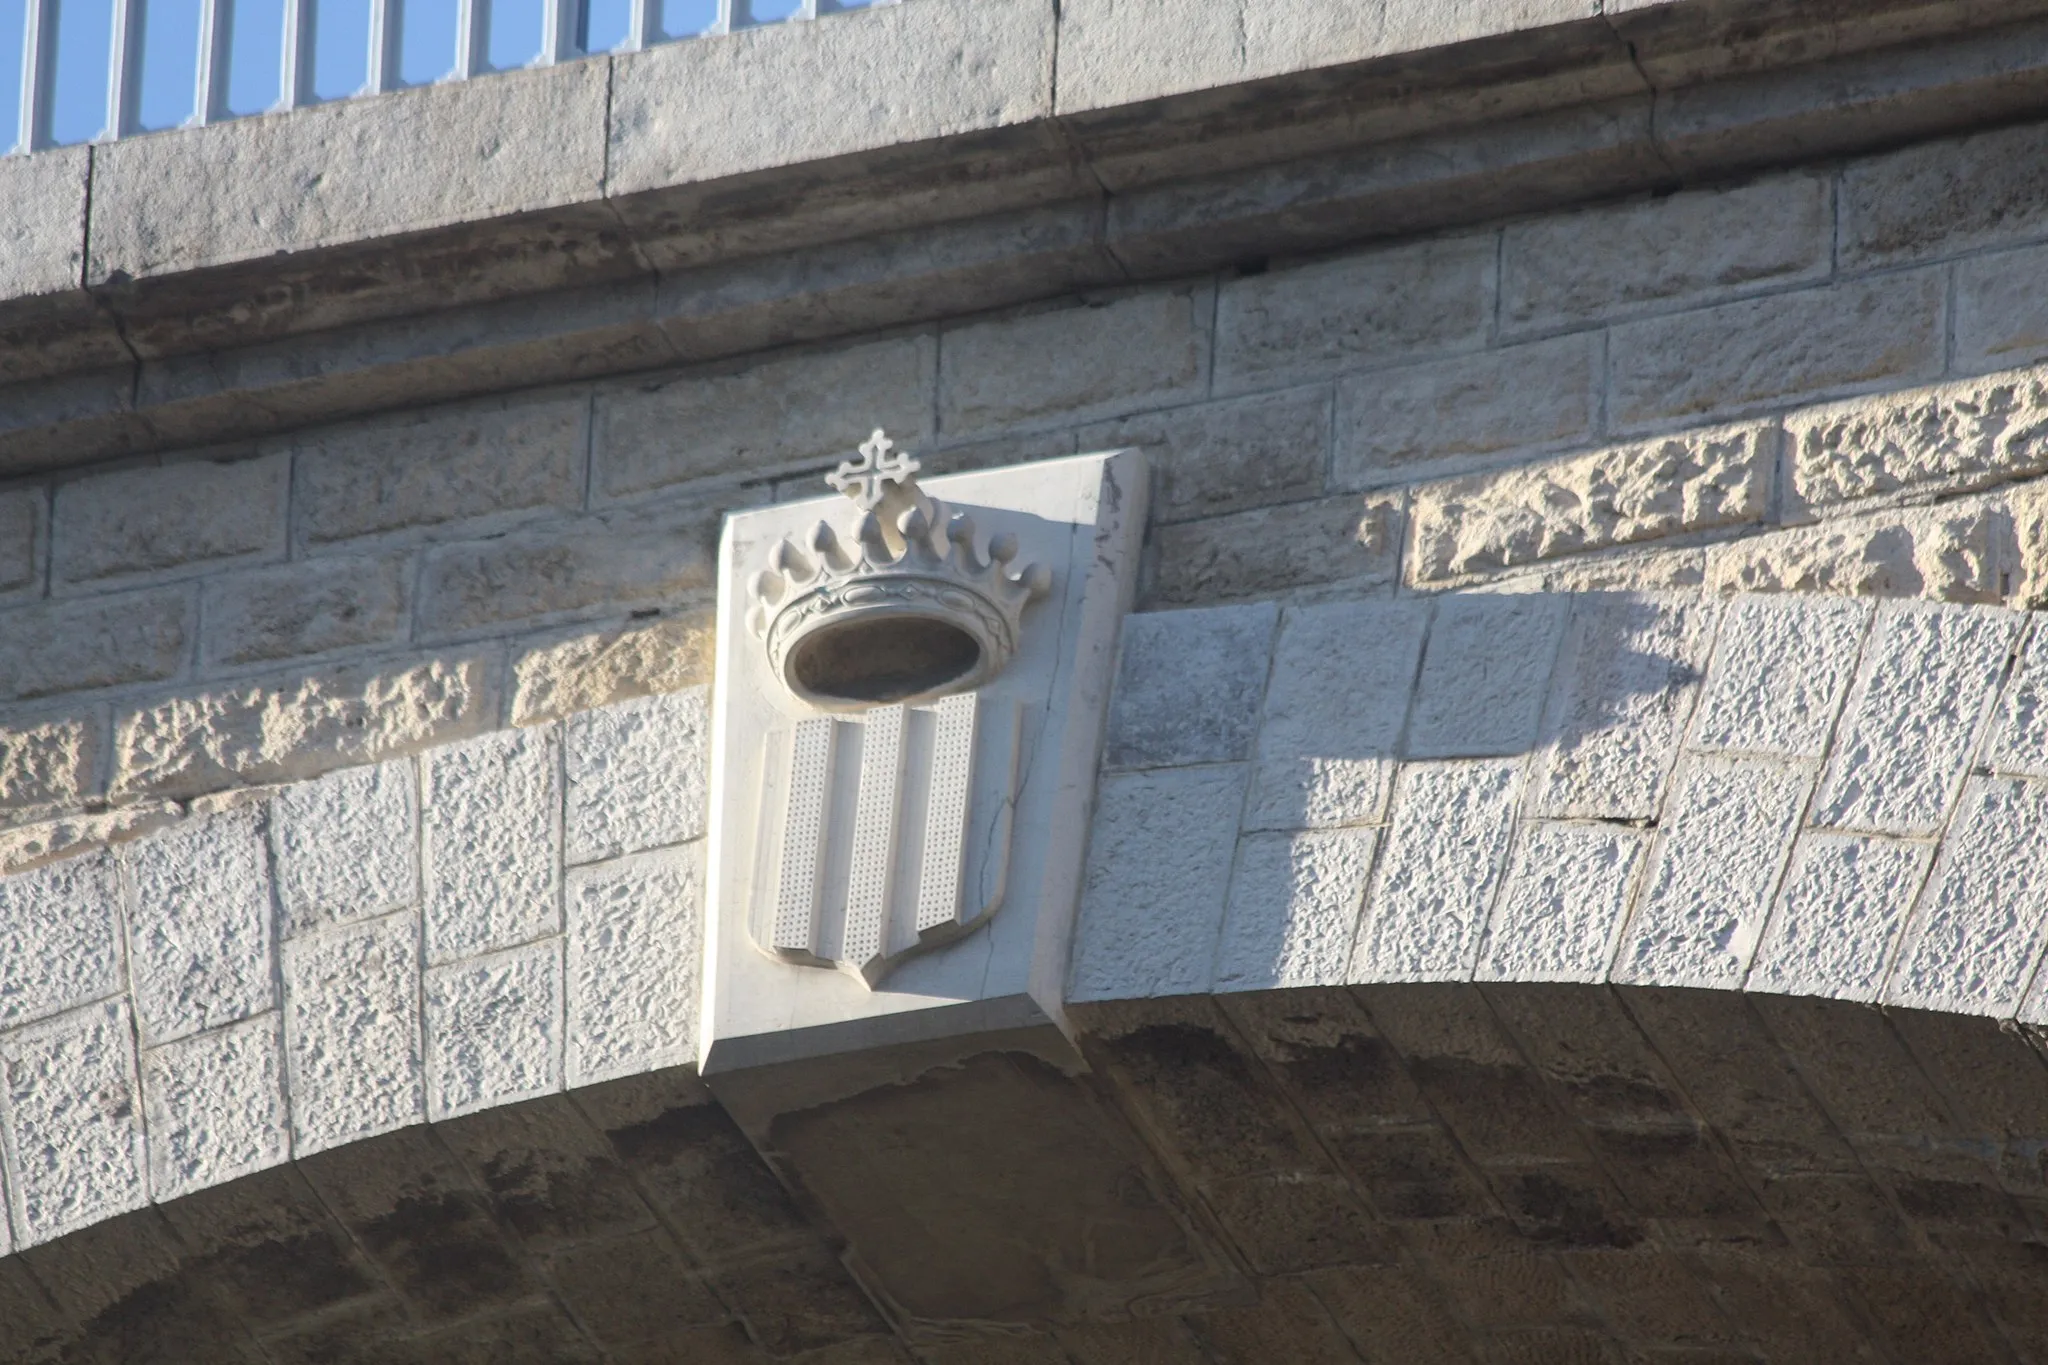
column 1566, row 1211
column 721, row 1194
column 1217, row 1109
column 445, row 1252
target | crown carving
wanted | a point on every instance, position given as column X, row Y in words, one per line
column 904, row 601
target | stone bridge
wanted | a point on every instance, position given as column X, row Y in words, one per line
column 1562, row 870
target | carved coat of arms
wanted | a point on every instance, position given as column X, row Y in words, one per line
column 885, row 812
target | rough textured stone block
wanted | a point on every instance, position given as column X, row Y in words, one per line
column 311, row 607
column 1944, row 198
column 1452, row 824
column 764, row 417
column 1977, row 932
column 1686, row 248
column 345, row 846
column 352, row 1032
column 984, row 64
column 1216, row 458
column 1780, row 669
column 42, row 243
column 494, row 1029
column 216, row 1107
column 444, row 465
column 1152, row 896
column 1960, row 553
column 21, row 539
column 1395, row 423
column 1270, row 550
column 199, row 928
column 607, row 562
column 1485, row 674
column 2021, row 742
column 142, row 520
column 1928, row 679
column 637, row 773
column 1293, row 909
column 1832, row 932
column 1785, row 347
column 1692, row 482
column 1957, row 436
column 1293, row 793
column 1330, row 698
column 349, row 170
column 1625, row 681
column 635, row 948
column 298, row 726
column 1188, row 686
column 596, row 668
column 1726, row 833
column 102, row 642
column 23, row 847
column 59, row 937
column 1143, row 350
column 489, row 831
column 73, row 1122
column 1370, row 307
column 1563, row 904
column 52, row 761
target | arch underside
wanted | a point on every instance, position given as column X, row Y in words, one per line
column 1406, row 1173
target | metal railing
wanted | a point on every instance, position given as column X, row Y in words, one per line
column 90, row 70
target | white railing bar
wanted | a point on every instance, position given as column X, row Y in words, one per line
column 558, row 33
column 295, row 60
column 384, row 24
column 37, row 44
column 124, row 65
column 210, row 92
column 472, row 23
column 640, row 32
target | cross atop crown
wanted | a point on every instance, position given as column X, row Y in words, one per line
column 867, row 479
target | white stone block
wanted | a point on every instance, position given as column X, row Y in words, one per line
column 1725, row 837
column 1485, row 675
column 1838, row 918
column 1780, row 668
column 199, row 928
column 636, row 775
column 1293, row 909
column 1188, row 686
column 1977, row 931
column 73, row 1121
column 1563, row 905
column 1928, row 678
column 1342, row 676
column 216, row 1106
column 2021, row 744
column 1623, row 690
column 1452, row 824
column 489, row 822
column 494, row 1029
column 635, row 947
column 346, row 846
column 1318, row 793
column 59, row 937
column 1152, row 901
column 352, row 1031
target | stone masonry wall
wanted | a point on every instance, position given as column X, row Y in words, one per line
column 1815, row 381
column 499, row 919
